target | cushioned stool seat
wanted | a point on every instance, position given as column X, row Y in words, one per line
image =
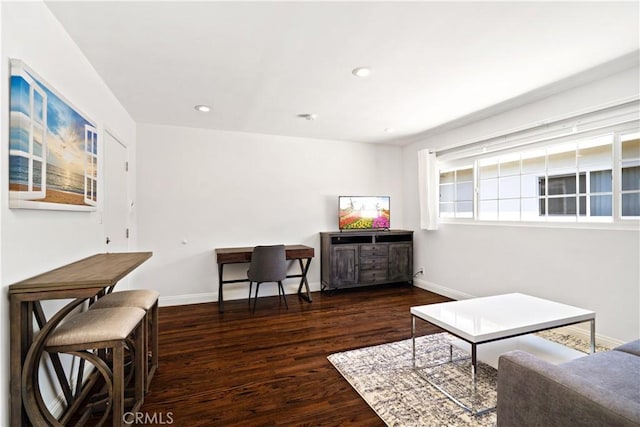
column 107, row 329
column 147, row 300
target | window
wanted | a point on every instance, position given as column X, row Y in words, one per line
column 456, row 193
column 630, row 165
column 561, row 181
column 578, row 180
column 569, row 181
column 599, row 205
column 508, row 188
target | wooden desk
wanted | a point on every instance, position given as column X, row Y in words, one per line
column 243, row 255
column 80, row 280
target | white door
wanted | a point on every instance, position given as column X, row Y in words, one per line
column 115, row 201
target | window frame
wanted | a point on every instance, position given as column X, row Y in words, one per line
column 34, row 125
column 615, row 221
column 455, row 184
column 619, row 161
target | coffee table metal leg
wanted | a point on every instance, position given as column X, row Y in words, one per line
column 472, row 407
column 413, row 341
column 474, row 365
column 592, row 344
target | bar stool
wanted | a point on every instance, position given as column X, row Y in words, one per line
column 147, row 300
column 108, row 329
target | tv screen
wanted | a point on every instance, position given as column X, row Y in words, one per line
column 364, row 212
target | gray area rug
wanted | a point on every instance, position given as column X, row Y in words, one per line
column 384, row 377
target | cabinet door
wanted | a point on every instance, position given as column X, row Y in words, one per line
column 400, row 261
column 344, row 265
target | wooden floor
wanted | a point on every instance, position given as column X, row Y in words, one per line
column 271, row 367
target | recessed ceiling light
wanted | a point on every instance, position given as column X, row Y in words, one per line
column 309, row 116
column 361, row 71
column 203, row 108
column 389, row 130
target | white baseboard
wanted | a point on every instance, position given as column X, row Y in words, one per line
column 584, row 334
column 441, row 290
column 58, row 404
column 578, row 331
column 187, row 299
column 236, row 293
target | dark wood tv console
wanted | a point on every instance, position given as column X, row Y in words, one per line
column 363, row 258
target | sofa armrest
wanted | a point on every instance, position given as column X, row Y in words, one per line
column 532, row 392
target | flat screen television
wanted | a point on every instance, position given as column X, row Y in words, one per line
column 364, row 212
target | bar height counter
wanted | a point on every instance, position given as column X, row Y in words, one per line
column 86, row 278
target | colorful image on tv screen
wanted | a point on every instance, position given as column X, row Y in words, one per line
column 359, row 212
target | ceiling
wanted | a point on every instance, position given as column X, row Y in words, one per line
column 261, row 64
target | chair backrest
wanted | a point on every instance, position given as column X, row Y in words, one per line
column 268, row 264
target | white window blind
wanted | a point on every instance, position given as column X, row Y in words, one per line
column 618, row 117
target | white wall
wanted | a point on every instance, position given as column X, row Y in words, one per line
column 4, row 305
column 595, row 269
column 35, row 241
column 216, row 189
column 224, row 189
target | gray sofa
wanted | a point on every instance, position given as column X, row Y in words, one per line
column 601, row 389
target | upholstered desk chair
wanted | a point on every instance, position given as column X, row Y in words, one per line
column 268, row 264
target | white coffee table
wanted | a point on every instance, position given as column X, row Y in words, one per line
column 493, row 325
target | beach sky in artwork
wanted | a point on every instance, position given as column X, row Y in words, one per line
column 62, row 145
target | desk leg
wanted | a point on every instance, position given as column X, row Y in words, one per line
column 220, row 296
column 303, row 281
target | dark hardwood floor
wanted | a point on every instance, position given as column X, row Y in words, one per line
column 271, row 367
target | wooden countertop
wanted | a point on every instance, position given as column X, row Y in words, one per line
column 237, row 255
column 97, row 270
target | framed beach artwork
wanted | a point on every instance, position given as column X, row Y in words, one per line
column 53, row 148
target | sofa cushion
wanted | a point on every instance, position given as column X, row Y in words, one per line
column 632, row 347
column 613, row 370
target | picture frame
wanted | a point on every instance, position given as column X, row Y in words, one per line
column 53, row 147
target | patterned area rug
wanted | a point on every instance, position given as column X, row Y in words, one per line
column 384, row 377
